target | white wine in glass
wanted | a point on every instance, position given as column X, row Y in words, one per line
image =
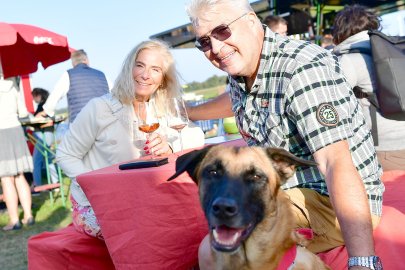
column 147, row 118
column 177, row 117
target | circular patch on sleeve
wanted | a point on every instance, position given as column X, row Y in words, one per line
column 327, row 115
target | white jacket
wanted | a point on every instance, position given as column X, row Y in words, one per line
column 11, row 105
column 101, row 136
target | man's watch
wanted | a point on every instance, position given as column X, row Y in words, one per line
column 372, row 262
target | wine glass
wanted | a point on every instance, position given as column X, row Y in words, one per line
column 148, row 120
column 139, row 137
column 177, row 117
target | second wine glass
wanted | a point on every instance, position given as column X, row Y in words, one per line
column 147, row 117
column 177, row 117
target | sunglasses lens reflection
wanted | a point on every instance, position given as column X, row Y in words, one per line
column 220, row 33
column 203, row 44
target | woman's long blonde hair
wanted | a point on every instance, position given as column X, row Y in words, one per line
column 124, row 87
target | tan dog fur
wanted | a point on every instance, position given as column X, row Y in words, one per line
column 275, row 233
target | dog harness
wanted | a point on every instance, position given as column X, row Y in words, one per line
column 289, row 257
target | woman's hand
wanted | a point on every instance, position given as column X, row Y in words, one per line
column 158, row 144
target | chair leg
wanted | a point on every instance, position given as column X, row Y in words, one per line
column 48, row 174
column 60, row 178
column 62, row 191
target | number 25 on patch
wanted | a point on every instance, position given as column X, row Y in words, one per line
column 327, row 115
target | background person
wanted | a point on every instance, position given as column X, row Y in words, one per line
column 103, row 132
column 40, row 96
column 292, row 94
column 80, row 84
column 15, row 158
column 350, row 33
column 327, row 40
column 277, row 24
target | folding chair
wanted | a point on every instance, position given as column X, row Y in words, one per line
column 47, row 152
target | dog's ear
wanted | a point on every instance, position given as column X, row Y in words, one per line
column 285, row 162
column 189, row 163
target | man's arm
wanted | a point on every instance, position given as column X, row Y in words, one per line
column 60, row 90
column 220, row 107
column 348, row 197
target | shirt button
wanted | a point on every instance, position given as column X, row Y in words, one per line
column 113, row 142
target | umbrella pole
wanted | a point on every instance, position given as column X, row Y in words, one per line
column 26, row 85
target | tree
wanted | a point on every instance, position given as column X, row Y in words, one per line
column 210, row 82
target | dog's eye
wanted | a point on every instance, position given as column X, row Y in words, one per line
column 213, row 172
column 255, row 177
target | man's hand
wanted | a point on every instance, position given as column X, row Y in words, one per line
column 41, row 115
column 49, row 124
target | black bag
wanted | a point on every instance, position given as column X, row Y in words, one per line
column 388, row 54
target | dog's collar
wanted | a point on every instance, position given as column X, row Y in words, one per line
column 288, row 258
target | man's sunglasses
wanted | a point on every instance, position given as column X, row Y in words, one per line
column 221, row 33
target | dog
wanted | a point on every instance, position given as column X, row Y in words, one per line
column 250, row 217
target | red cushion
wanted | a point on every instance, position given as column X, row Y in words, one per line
column 389, row 236
column 148, row 223
column 67, row 249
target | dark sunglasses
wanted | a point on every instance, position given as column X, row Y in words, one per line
column 221, row 33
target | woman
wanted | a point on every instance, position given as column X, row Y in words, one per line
column 40, row 96
column 102, row 134
column 15, row 158
column 350, row 33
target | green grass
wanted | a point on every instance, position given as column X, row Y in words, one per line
column 212, row 92
column 13, row 251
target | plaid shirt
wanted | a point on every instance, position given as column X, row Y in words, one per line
column 300, row 101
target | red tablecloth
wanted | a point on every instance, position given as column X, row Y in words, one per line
column 149, row 223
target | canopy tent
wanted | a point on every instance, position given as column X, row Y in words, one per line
column 300, row 14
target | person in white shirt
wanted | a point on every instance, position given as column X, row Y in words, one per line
column 103, row 132
column 15, row 158
column 79, row 84
column 350, row 33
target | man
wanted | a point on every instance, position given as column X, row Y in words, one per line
column 292, row 94
column 276, row 24
column 80, row 84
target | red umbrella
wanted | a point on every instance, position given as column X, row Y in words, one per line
column 23, row 46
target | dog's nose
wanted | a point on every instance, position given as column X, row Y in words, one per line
column 224, row 207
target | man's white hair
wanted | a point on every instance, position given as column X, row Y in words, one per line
column 195, row 7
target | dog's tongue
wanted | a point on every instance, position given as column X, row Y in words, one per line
column 227, row 236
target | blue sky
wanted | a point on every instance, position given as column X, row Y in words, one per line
column 107, row 31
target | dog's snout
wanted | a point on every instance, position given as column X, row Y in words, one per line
column 223, row 207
